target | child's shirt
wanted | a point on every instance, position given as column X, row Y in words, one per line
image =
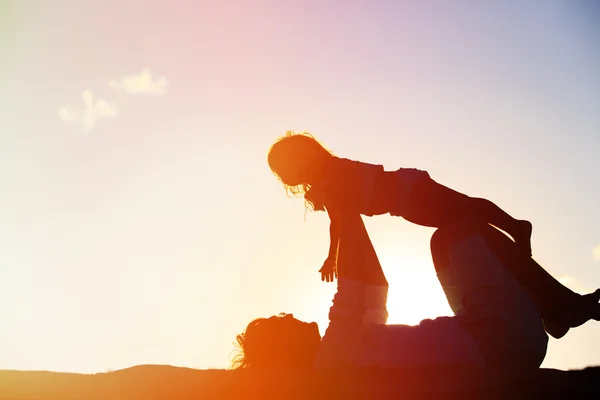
column 346, row 180
column 357, row 184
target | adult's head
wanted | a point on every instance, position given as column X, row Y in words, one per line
column 280, row 341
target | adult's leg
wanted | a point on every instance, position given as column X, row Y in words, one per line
column 559, row 307
column 497, row 311
column 550, row 295
column 361, row 298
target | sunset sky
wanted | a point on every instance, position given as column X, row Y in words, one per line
column 140, row 223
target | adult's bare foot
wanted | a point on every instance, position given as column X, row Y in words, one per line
column 585, row 309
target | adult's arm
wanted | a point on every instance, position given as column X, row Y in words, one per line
column 357, row 259
column 361, row 295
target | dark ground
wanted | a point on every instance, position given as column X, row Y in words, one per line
column 149, row 382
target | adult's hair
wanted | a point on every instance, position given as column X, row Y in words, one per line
column 280, row 341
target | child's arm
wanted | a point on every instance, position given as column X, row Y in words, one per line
column 329, row 269
column 334, row 237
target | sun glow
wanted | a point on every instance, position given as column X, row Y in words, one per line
column 415, row 293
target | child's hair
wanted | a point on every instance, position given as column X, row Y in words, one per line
column 294, row 145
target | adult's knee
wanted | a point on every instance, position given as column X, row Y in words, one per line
column 445, row 237
column 438, row 242
column 439, row 245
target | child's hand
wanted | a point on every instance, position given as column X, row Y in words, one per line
column 328, row 270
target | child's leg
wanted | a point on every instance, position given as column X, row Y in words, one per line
column 433, row 204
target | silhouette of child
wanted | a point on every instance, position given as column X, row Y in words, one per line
column 304, row 166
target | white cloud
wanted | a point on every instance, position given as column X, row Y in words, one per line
column 142, row 83
column 95, row 109
column 68, row 114
column 596, row 253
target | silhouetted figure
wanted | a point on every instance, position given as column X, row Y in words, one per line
column 303, row 165
column 497, row 322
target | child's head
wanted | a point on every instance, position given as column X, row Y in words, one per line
column 296, row 159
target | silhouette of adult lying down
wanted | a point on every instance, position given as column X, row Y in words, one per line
column 503, row 302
